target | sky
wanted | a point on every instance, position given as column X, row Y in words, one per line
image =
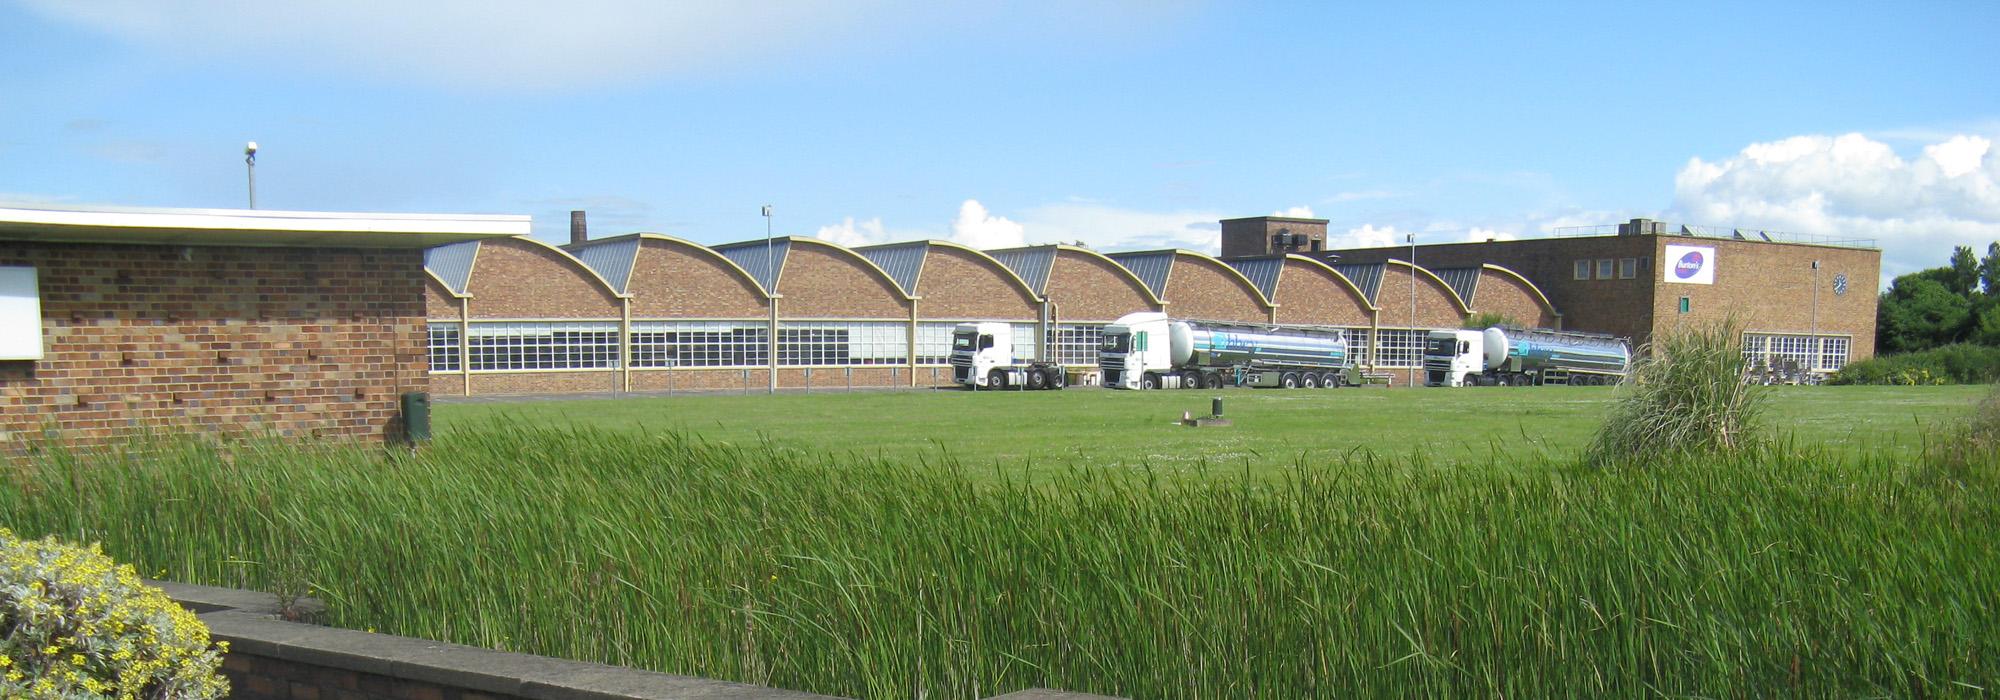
column 1120, row 125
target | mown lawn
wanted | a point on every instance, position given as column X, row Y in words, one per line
column 1046, row 432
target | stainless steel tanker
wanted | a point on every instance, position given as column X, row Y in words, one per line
column 1517, row 357
column 1149, row 350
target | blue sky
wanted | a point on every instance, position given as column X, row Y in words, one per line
column 1123, row 125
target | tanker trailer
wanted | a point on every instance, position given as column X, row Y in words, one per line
column 1149, row 350
column 1517, row 357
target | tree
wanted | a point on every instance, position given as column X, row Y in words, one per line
column 1964, row 271
column 1919, row 312
column 1989, row 270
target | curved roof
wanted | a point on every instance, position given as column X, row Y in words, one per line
column 1366, row 300
column 750, row 256
column 1427, row 273
column 1366, row 278
column 1036, row 267
column 452, row 264
column 1544, row 298
column 857, row 256
column 622, row 252
column 1464, row 280
column 904, row 262
column 1262, row 298
column 1155, row 267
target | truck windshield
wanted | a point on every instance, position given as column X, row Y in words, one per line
column 1442, row 347
column 1116, row 342
column 962, row 341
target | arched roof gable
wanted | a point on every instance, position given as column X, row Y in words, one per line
column 863, row 259
column 1462, row 307
column 1351, row 286
column 1114, row 264
column 564, row 255
column 1539, row 296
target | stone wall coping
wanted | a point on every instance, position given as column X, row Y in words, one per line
column 249, row 622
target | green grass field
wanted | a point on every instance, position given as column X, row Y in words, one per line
column 826, row 542
column 1050, row 431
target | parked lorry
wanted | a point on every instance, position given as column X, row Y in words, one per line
column 1149, row 350
column 1516, row 357
column 982, row 356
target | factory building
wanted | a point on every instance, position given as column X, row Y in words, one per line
column 1806, row 303
column 215, row 321
column 653, row 313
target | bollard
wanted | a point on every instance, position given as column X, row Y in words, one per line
column 416, row 416
column 1215, row 407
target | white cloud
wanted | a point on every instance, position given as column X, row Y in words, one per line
column 1366, row 236
column 1478, row 234
column 850, row 233
column 1109, row 228
column 1851, row 186
column 531, row 44
column 978, row 228
column 1295, row 213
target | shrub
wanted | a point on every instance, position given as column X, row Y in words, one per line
column 1963, row 363
column 1686, row 398
column 74, row 624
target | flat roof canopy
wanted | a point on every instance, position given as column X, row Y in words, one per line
column 251, row 227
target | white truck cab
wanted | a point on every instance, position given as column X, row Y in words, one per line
column 1451, row 356
column 982, row 356
column 1136, row 353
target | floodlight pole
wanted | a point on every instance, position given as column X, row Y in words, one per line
column 250, row 162
column 771, row 278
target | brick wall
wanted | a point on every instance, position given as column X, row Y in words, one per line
column 1204, row 288
column 1770, row 288
column 1620, row 307
column 959, row 284
column 1309, row 293
column 672, row 279
column 1087, row 287
column 820, row 281
column 1512, row 297
column 520, row 278
column 439, row 303
column 303, row 342
column 1435, row 306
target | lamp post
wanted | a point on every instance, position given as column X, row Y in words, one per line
column 1812, row 364
column 771, row 278
column 1412, row 238
column 250, row 162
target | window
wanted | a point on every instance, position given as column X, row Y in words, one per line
column 1024, row 341
column 934, row 343
column 823, row 343
column 1583, row 269
column 700, row 344
column 1794, row 353
column 1357, row 345
column 1399, row 348
column 505, row 346
column 1604, row 269
column 1628, row 268
column 1075, row 343
column 1686, row 305
column 444, row 347
column 20, row 314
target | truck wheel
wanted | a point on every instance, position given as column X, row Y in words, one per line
column 1469, row 379
column 1289, row 380
column 1190, row 380
column 1148, row 381
column 996, row 379
column 1521, row 379
column 1057, row 378
column 1037, row 381
column 1335, row 380
column 1309, row 380
column 1211, row 381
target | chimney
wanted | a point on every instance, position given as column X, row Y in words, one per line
column 578, row 230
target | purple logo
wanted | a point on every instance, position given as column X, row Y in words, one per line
column 1689, row 265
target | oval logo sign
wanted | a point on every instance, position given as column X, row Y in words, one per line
column 1689, row 265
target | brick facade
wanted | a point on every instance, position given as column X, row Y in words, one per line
column 521, row 278
column 1502, row 292
column 1205, row 288
column 1258, row 235
column 1086, row 286
column 678, row 279
column 957, row 283
column 822, row 281
column 1437, row 306
column 297, row 341
column 1311, row 293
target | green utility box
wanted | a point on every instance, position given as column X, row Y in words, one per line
column 417, row 416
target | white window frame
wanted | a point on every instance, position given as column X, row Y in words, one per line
column 1628, row 268
column 20, row 314
column 444, row 346
column 1605, row 268
column 658, row 344
column 529, row 346
column 1582, row 270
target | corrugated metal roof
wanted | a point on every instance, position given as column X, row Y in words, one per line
column 1032, row 264
column 750, row 256
column 1150, row 267
column 1464, row 280
column 903, row 261
column 1262, row 272
column 452, row 264
column 611, row 259
column 1367, row 276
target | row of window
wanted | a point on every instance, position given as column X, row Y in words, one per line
column 1624, row 268
column 1766, row 351
column 503, row 346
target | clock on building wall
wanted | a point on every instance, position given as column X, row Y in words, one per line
column 1840, row 284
